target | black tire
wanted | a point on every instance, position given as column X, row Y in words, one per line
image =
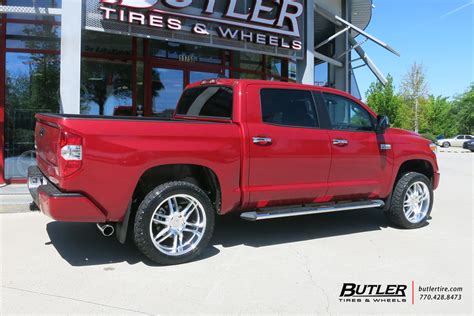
column 446, row 145
column 395, row 212
column 142, row 235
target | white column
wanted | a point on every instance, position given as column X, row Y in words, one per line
column 305, row 67
column 71, row 27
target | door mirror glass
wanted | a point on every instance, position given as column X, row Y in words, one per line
column 382, row 123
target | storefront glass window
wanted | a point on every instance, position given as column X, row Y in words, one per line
column 108, row 44
column 106, row 88
column 32, row 3
column 292, row 71
column 185, row 52
column 167, row 86
column 274, row 66
column 249, row 61
column 32, row 86
column 33, row 36
column 321, row 74
column 196, row 76
column 246, row 75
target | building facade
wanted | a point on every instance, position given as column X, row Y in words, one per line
column 134, row 57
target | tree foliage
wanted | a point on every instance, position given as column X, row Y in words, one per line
column 436, row 115
column 385, row 101
column 464, row 109
column 414, row 90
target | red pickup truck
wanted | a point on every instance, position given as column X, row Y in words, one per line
column 262, row 149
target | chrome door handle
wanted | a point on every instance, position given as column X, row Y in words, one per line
column 262, row 141
column 340, row 142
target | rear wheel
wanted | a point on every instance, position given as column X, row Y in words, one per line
column 412, row 201
column 446, row 145
column 174, row 223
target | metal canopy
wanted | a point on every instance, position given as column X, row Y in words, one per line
column 354, row 45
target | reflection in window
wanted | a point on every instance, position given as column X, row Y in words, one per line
column 185, row 52
column 32, row 86
column 106, row 88
column 206, row 102
column 110, row 44
column 167, row 86
column 249, row 61
column 32, row 3
column 196, row 76
column 321, row 73
column 346, row 114
column 33, row 36
column 274, row 66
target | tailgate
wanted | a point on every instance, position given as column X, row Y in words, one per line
column 47, row 135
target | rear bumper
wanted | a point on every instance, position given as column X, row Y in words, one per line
column 64, row 207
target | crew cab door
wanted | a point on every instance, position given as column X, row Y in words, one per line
column 361, row 158
column 289, row 155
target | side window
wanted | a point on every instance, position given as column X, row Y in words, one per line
column 346, row 114
column 460, row 137
column 468, row 137
column 288, row 107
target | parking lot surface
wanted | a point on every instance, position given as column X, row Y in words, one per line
column 292, row 265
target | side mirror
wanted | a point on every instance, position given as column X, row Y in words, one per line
column 382, row 123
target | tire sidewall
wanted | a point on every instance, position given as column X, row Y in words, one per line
column 446, row 145
column 396, row 208
column 145, row 212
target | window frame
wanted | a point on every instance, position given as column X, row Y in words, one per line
column 317, row 121
column 322, row 104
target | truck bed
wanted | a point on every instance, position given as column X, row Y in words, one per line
column 117, row 151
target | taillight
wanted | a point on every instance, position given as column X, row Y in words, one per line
column 70, row 150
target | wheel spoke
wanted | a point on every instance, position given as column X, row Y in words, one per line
column 161, row 219
column 163, row 234
column 175, row 243
column 170, row 206
column 189, row 209
column 195, row 232
column 180, row 240
column 197, row 225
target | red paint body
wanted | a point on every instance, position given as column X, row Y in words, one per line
column 301, row 166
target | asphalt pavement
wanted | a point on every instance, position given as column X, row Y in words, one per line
column 292, row 265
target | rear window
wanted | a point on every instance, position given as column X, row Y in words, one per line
column 213, row 101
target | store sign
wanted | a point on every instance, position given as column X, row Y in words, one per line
column 277, row 24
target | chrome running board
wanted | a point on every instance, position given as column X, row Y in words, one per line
column 279, row 212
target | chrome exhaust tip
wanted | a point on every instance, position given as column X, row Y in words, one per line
column 106, row 229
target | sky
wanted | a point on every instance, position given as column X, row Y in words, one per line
column 436, row 33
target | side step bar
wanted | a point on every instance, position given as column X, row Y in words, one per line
column 279, row 212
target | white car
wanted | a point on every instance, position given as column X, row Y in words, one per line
column 456, row 141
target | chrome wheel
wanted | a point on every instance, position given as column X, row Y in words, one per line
column 178, row 225
column 417, row 202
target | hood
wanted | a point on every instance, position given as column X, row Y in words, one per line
column 403, row 134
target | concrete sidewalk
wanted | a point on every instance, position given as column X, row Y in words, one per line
column 14, row 198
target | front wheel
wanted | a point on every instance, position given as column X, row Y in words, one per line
column 446, row 145
column 174, row 223
column 412, row 201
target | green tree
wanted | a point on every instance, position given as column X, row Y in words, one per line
column 414, row 89
column 384, row 101
column 464, row 107
column 436, row 116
